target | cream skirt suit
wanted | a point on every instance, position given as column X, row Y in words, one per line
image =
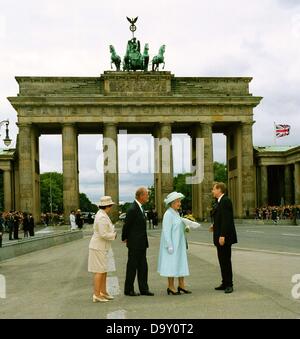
column 100, row 244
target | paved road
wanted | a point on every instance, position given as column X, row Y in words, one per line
column 54, row 283
column 272, row 238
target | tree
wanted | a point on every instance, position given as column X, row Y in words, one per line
column 220, row 172
column 86, row 205
column 51, row 184
column 181, row 186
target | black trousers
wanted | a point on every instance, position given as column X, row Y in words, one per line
column 136, row 264
column 224, row 256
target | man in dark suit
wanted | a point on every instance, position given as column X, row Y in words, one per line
column 224, row 234
column 134, row 234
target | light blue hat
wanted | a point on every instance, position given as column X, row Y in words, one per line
column 173, row 196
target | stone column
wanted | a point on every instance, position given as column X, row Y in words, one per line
column 297, row 183
column 7, row 190
column 157, row 174
column 206, row 133
column 36, row 174
column 111, row 170
column 264, row 185
column 26, row 168
column 196, row 186
column 166, row 162
column 288, row 185
column 70, row 169
column 247, row 189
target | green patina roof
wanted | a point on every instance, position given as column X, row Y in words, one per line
column 273, row 148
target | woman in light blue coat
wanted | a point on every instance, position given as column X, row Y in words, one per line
column 172, row 262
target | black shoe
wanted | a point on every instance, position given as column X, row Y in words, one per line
column 132, row 294
column 183, row 290
column 229, row 289
column 220, row 288
column 148, row 293
column 172, row 292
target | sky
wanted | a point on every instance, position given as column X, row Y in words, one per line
column 258, row 38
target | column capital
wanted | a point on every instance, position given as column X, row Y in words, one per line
column 247, row 123
column 110, row 123
column 24, row 124
column 66, row 124
column 209, row 123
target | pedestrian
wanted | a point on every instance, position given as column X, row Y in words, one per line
column 10, row 222
column 73, row 221
column 16, row 223
column 100, row 244
column 25, row 225
column 31, row 225
column 79, row 219
column 150, row 218
column 134, row 234
column 155, row 219
column 224, row 233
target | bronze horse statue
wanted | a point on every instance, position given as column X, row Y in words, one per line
column 159, row 59
column 115, row 59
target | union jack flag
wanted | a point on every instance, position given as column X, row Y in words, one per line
column 282, row 130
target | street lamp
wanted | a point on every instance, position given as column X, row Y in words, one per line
column 6, row 140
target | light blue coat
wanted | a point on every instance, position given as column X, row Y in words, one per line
column 172, row 235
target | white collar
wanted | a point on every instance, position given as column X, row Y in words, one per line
column 104, row 213
column 219, row 199
column 140, row 205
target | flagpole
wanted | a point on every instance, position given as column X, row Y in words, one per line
column 274, row 133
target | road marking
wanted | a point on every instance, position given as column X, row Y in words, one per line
column 113, row 287
column 291, row 235
column 248, row 231
column 43, row 232
column 119, row 314
column 247, row 249
column 111, row 261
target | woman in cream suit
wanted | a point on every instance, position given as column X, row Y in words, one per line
column 100, row 244
column 172, row 262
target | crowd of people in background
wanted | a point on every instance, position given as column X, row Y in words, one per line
column 276, row 213
column 15, row 221
column 77, row 220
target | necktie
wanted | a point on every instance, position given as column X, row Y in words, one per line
column 143, row 210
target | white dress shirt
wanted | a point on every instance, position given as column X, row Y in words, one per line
column 141, row 206
column 219, row 199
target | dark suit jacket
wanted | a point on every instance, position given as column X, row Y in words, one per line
column 224, row 222
column 135, row 228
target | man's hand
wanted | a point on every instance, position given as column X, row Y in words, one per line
column 211, row 228
column 125, row 241
column 222, row 241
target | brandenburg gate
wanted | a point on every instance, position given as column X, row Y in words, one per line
column 138, row 102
